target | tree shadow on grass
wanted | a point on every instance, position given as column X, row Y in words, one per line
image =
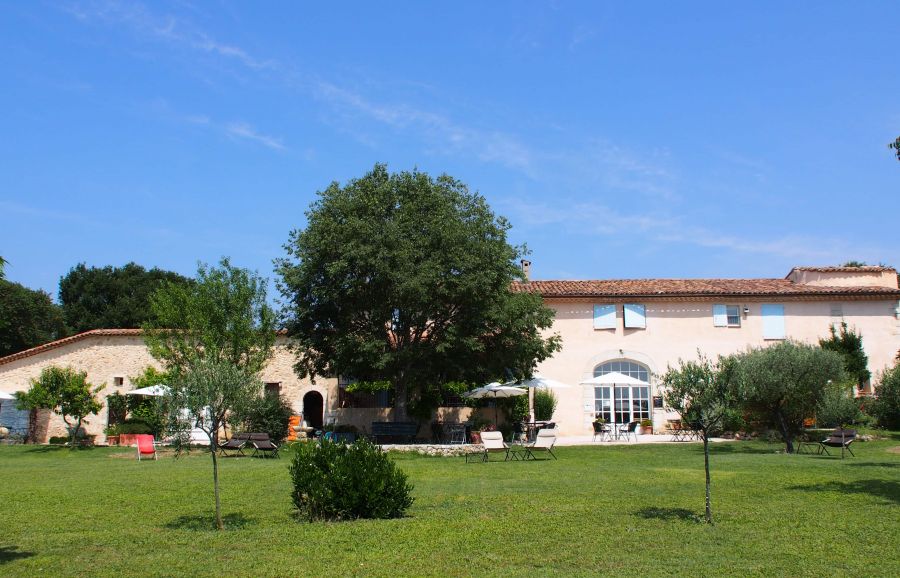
column 12, row 553
column 874, row 464
column 741, row 448
column 668, row 514
column 58, row 448
column 207, row 522
column 888, row 490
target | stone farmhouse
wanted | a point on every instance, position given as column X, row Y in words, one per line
column 634, row 327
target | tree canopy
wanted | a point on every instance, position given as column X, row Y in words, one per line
column 783, row 383
column 405, row 279
column 848, row 343
column 111, row 297
column 28, row 318
column 222, row 316
column 65, row 392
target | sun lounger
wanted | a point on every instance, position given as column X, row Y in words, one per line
column 839, row 438
column 492, row 442
column 236, row 444
column 262, row 445
column 544, row 442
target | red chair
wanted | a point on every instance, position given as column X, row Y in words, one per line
column 145, row 446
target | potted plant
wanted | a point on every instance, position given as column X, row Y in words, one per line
column 479, row 424
column 646, row 426
column 112, row 435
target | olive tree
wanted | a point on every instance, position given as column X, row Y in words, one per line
column 782, row 384
column 213, row 336
column 701, row 391
column 204, row 394
column 65, row 392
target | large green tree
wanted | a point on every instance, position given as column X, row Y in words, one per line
column 223, row 316
column 27, row 318
column 111, row 297
column 702, row 392
column 782, row 384
column 405, row 279
column 65, row 392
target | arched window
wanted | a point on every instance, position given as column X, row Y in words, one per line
column 629, row 368
column 622, row 403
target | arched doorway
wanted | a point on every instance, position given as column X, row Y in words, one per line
column 313, row 409
column 623, row 403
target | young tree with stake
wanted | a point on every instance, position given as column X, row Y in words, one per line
column 700, row 391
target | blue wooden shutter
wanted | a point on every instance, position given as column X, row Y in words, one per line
column 635, row 316
column 604, row 316
column 720, row 315
column 773, row 321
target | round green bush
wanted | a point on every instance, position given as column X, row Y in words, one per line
column 334, row 481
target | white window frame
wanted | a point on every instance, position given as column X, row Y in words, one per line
column 722, row 315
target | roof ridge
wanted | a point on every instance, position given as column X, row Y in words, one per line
column 67, row 340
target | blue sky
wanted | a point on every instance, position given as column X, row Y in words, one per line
column 622, row 140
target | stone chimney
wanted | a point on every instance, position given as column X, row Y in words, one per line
column 526, row 269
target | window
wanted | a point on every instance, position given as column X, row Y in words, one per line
column 635, row 316
column 604, row 316
column 629, row 368
column 362, row 399
column 273, row 389
column 773, row 321
column 118, row 381
column 621, row 403
column 727, row 315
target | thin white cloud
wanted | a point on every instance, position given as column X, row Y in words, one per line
column 597, row 219
column 246, row 131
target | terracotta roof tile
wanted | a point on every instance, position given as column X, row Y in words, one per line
column 693, row 288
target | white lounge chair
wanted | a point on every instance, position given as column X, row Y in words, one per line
column 492, row 441
column 544, row 442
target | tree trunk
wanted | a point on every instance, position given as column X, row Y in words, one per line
column 212, row 448
column 785, row 434
column 401, row 393
column 709, row 519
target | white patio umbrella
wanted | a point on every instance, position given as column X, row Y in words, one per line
column 158, row 390
column 537, row 380
column 495, row 390
column 6, row 396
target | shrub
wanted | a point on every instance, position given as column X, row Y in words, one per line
column 544, row 404
column 343, row 482
column 269, row 414
column 837, row 407
column 886, row 406
column 134, row 426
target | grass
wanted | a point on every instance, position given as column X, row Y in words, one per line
column 597, row 510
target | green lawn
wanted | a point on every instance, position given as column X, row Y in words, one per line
column 631, row 511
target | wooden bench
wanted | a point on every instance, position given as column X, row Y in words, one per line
column 403, row 431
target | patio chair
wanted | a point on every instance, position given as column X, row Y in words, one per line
column 262, row 443
column 601, row 430
column 235, row 444
column 145, row 446
column 457, row 433
column 492, row 442
column 839, row 438
column 544, row 442
column 629, row 429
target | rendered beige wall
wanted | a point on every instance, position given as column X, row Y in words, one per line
column 677, row 330
column 107, row 357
